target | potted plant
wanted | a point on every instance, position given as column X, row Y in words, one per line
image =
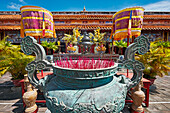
column 156, row 61
column 50, row 47
column 121, row 46
column 73, row 39
column 13, row 60
column 17, row 67
column 6, row 51
column 98, row 39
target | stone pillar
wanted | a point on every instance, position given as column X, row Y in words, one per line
column 138, row 97
column 29, row 97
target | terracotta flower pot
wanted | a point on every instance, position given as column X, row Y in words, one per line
column 16, row 83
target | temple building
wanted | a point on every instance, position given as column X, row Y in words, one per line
column 155, row 24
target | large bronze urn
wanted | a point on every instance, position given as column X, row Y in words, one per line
column 98, row 90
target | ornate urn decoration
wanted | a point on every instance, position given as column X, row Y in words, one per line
column 101, row 49
column 71, row 49
column 29, row 97
column 96, row 90
column 86, row 42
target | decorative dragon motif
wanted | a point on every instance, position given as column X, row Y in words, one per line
column 29, row 46
column 140, row 45
column 59, row 107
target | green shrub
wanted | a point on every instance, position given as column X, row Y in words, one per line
column 13, row 60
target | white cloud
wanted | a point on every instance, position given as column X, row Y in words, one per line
column 22, row 1
column 158, row 6
column 14, row 6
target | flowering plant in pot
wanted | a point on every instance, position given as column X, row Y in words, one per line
column 121, row 46
column 156, row 61
column 13, row 60
column 73, row 39
column 98, row 39
column 50, row 46
column 101, row 49
column 71, row 49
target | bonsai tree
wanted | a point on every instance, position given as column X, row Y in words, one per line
column 13, row 60
column 156, row 61
column 49, row 45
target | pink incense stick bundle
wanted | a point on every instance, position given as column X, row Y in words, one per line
column 93, row 62
column 85, row 63
column 77, row 64
column 60, row 63
column 110, row 63
column 104, row 64
column 90, row 65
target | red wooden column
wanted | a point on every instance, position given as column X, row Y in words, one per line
column 127, row 46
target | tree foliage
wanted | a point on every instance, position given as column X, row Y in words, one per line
column 156, row 61
column 13, row 60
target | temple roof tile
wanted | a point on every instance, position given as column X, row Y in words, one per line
column 11, row 17
column 10, row 27
column 18, row 17
column 156, row 16
column 156, row 28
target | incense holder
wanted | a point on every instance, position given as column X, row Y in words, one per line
column 98, row 90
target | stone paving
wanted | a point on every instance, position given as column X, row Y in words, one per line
column 159, row 101
column 10, row 97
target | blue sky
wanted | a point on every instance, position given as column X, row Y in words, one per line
column 91, row 5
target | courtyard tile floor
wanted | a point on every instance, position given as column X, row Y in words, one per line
column 10, row 97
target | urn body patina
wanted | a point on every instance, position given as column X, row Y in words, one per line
column 85, row 90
